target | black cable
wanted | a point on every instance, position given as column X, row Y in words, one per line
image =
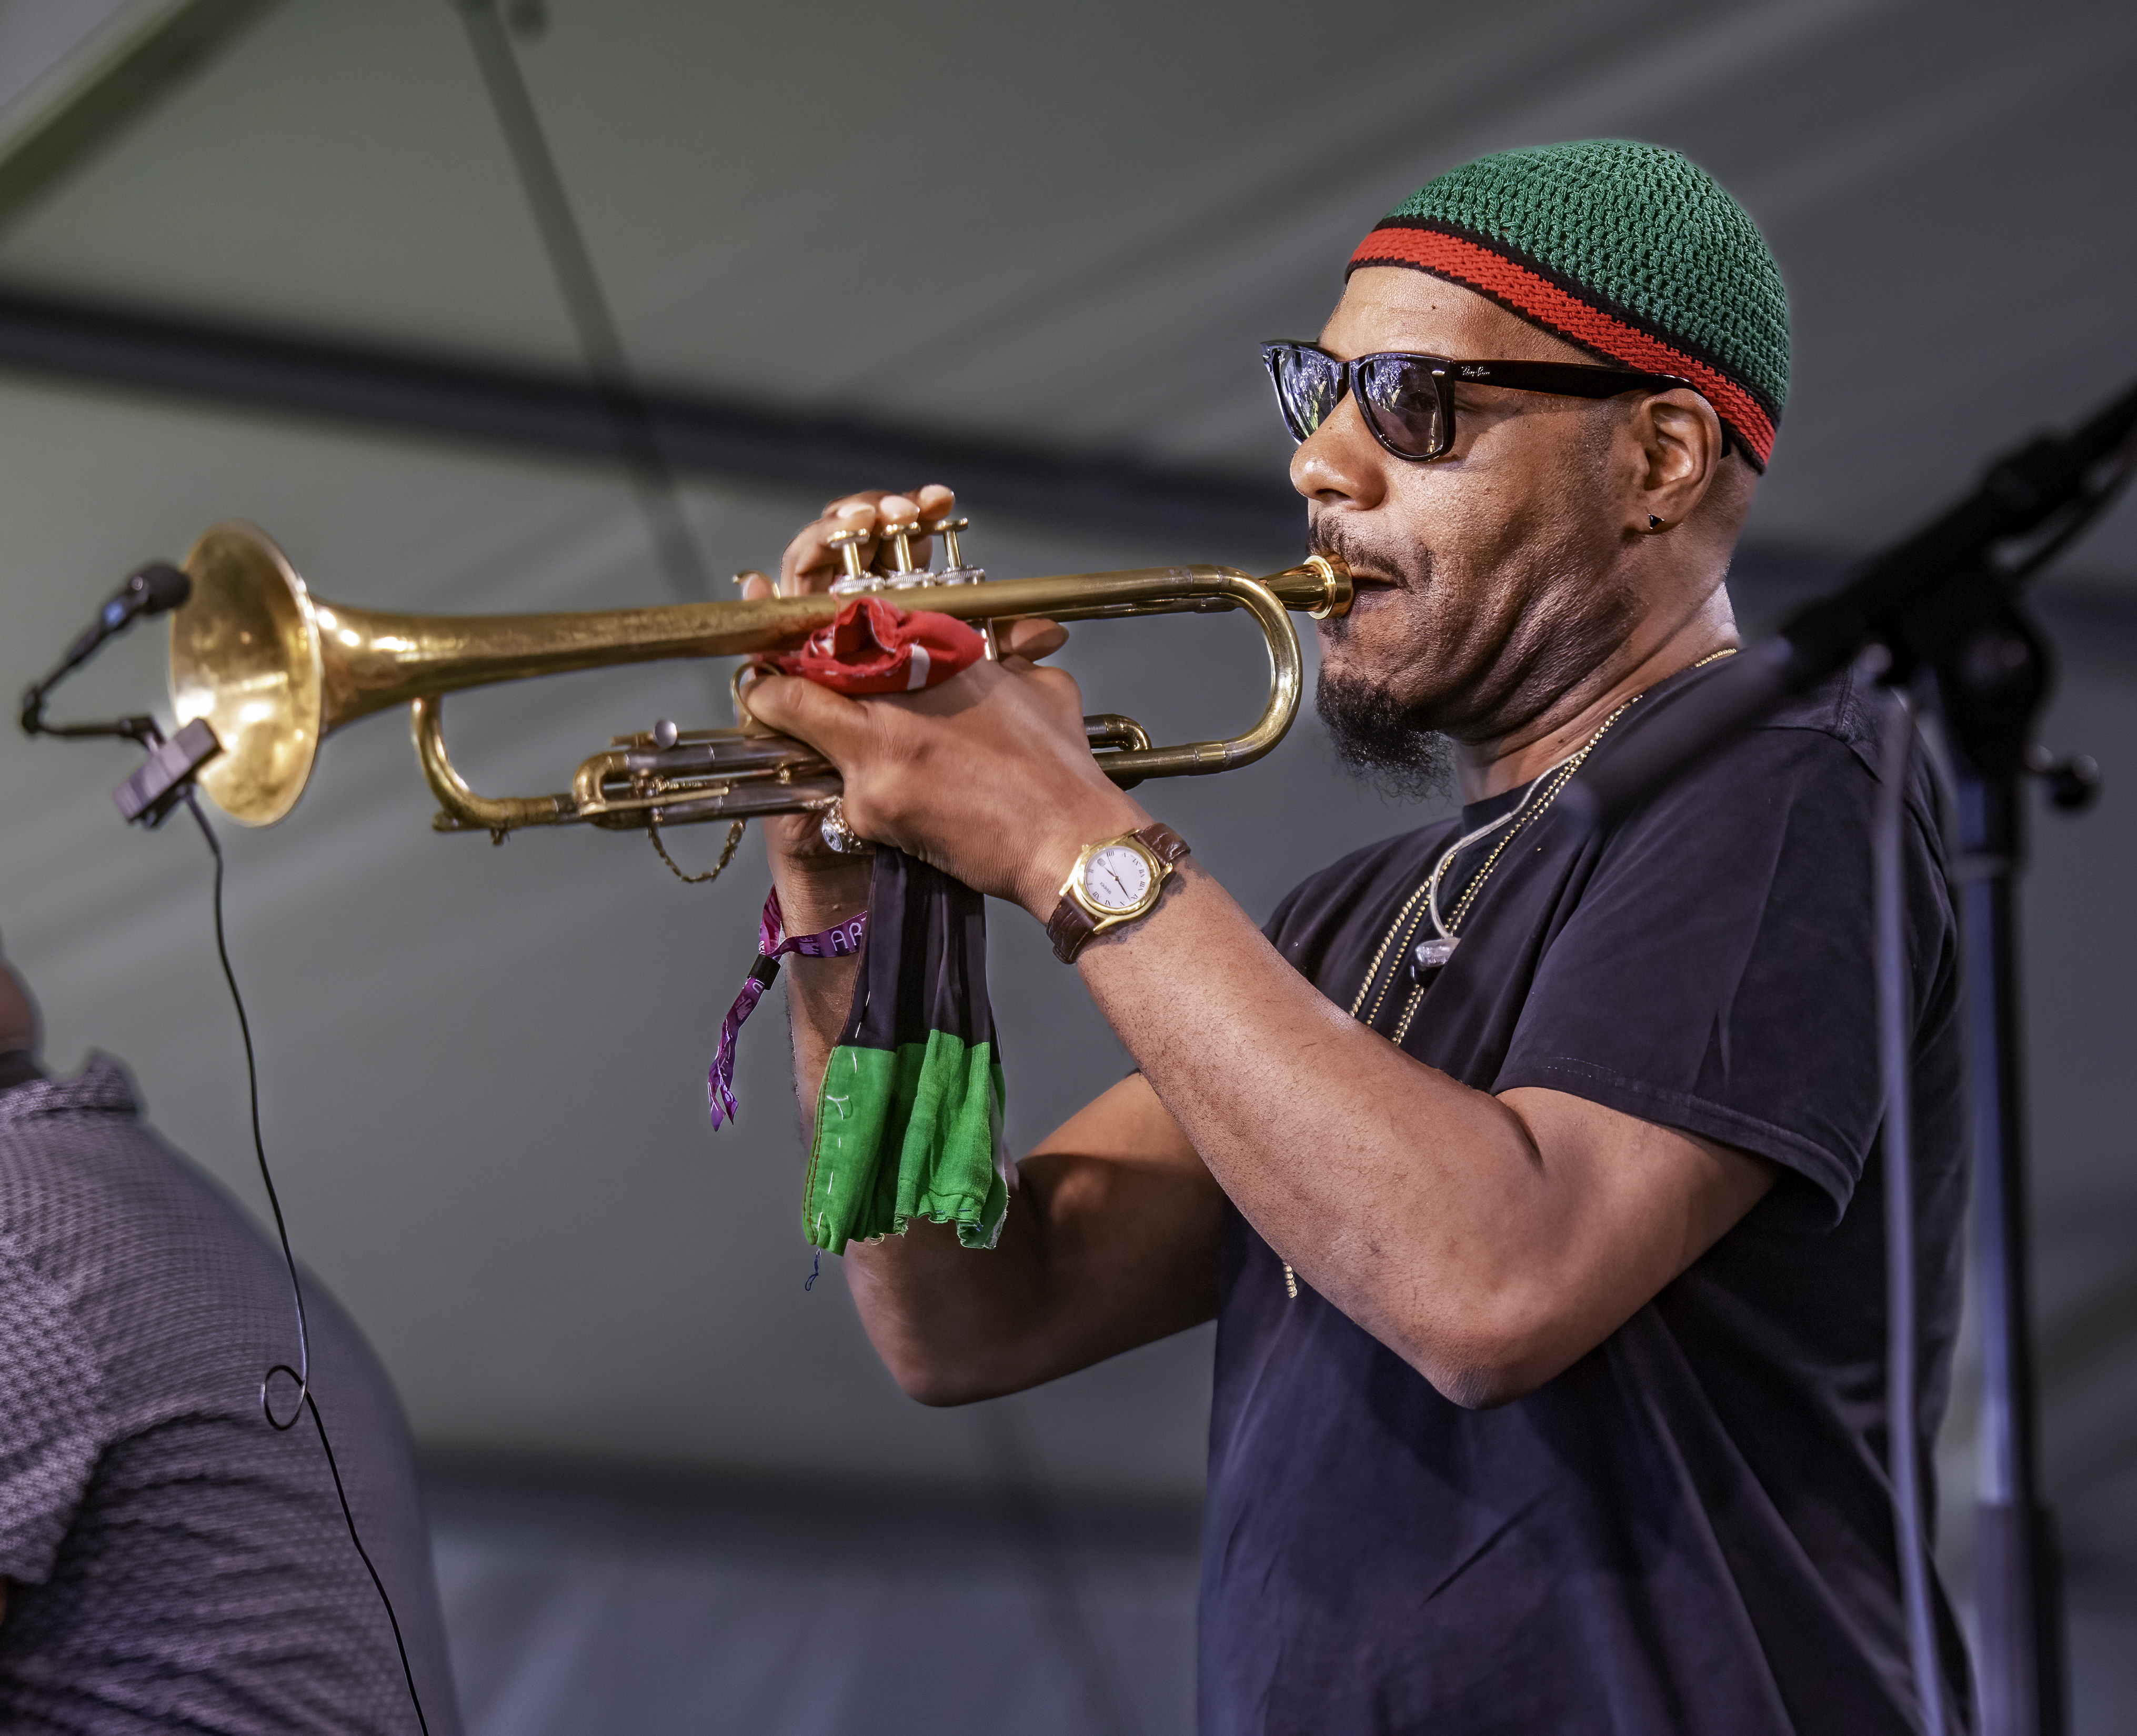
column 1894, row 1047
column 302, row 1372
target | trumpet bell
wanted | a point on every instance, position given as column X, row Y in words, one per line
column 246, row 656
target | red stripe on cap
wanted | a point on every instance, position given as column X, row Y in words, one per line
column 1551, row 305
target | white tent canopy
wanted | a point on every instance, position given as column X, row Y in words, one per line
column 1060, row 228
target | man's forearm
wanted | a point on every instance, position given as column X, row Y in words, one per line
column 1427, row 1211
column 1393, row 1188
column 819, row 991
column 1298, row 1109
column 1110, row 1240
column 946, row 1322
column 819, row 994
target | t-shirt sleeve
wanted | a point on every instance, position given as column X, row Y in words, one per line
column 1280, row 918
column 1716, row 975
column 51, row 1396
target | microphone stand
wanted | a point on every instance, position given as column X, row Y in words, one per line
column 164, row 776
column 1944, row 604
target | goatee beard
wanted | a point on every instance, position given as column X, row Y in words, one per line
column 1382, row 743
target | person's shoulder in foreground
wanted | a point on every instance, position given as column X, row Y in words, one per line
column 171, row 1560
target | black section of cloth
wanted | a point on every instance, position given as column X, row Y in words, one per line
column 19, row 1067
column 174, row 1562
column 924, row 963
column 1689, row 1529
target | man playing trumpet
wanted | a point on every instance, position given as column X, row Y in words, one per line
column 1529, row 1175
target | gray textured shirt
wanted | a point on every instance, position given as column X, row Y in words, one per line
column 175, row 1563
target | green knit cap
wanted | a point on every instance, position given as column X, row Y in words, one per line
column 1627, row 249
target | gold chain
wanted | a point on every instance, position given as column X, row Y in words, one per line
column 714, row 872
column 1373, row 969
column 1563, row 775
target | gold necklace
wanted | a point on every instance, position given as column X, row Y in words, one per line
column 1518, row 819
column 1440, row 948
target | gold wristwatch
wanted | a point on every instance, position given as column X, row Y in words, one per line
column 1115, row 881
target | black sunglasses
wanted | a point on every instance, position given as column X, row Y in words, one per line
column 1408, row 401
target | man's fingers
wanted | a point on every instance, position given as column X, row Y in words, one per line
column 1059, row 686
column 933, row 502
column 865, row 497
column 1032, row 639
column 839, row 728
column 810, row 563
column 746, row 678
column 915, row 506
column 830, row 722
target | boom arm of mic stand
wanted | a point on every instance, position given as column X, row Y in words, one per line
column 1895, row 600
column 143, row 730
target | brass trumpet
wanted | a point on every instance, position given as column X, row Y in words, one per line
column 274, row 670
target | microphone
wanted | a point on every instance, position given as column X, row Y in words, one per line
column 162, row 780
column 149, row 589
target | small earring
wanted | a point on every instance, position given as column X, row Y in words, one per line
column 1653, row 523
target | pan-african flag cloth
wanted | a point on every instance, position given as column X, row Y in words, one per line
column 909, row 1116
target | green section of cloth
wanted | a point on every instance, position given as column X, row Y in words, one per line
column 1645, row 229
column 905, row 1133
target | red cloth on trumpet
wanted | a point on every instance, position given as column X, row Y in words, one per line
column 874, row 647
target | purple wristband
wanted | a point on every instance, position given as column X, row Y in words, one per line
column 841, row 941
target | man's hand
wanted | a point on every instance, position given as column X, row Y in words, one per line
column 988, row 777
column 1489, row 1241
column 819, row 886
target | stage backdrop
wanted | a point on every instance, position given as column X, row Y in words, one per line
column 482, row 1068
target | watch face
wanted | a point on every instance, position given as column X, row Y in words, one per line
column 1117, row 877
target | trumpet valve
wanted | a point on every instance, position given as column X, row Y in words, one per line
column 947, row 529
column 900, row 537
column 855, row 578
column 953, row 570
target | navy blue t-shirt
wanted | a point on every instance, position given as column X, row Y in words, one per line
column 1689, row 1529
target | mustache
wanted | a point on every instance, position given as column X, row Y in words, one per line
column 1334, row 538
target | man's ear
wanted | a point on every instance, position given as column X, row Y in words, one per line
column 1681, row 443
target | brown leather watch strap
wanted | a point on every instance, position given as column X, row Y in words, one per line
column 1071, row 925
column 1167, row 845
column 1068, row 927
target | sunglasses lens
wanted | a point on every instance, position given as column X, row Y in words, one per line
column 1402, row 401
column 1308, row 385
